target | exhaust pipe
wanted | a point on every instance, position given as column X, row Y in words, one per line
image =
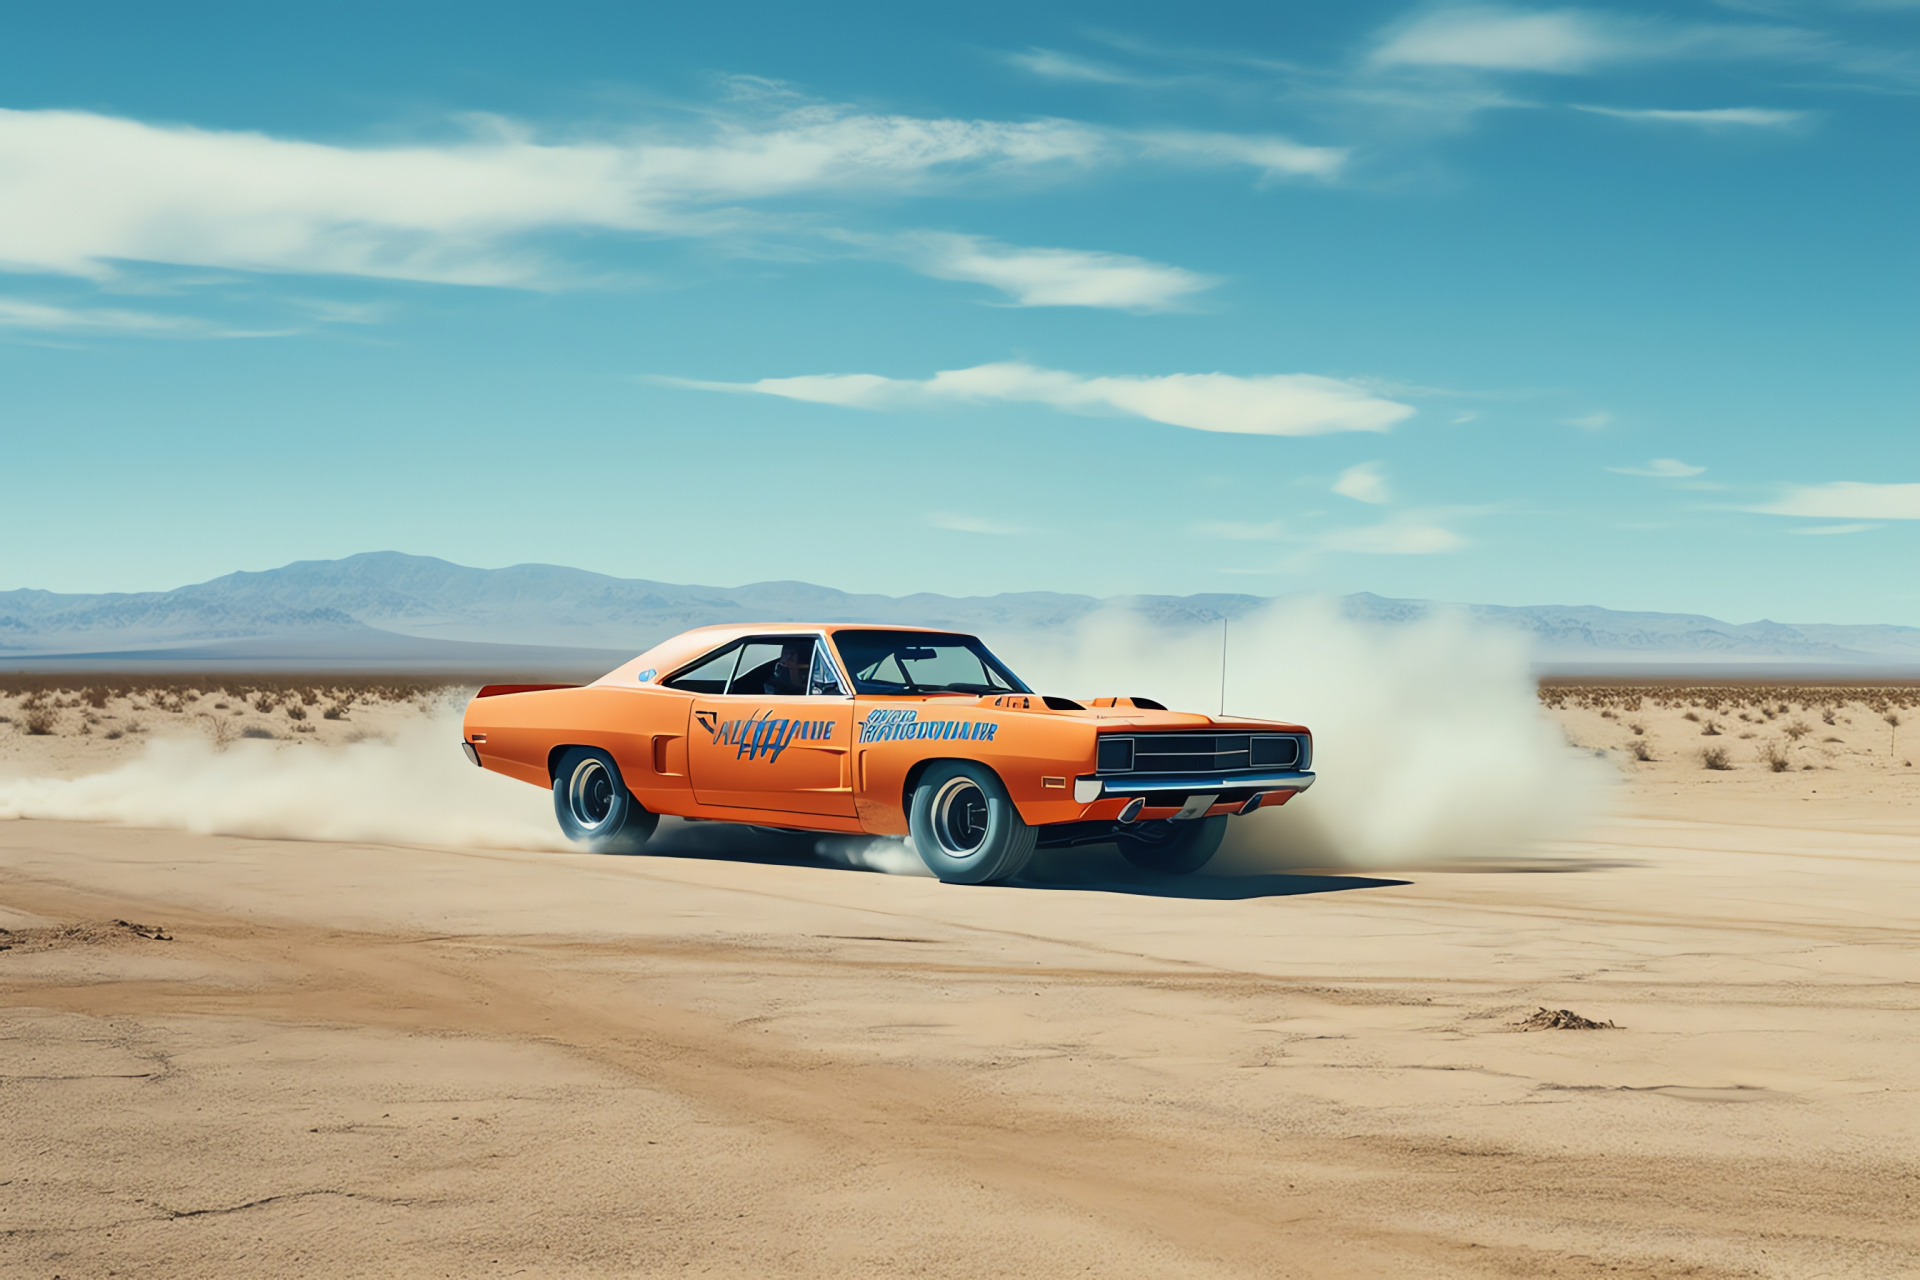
column 1132, row 812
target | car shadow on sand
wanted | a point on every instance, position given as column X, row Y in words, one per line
column 1210, row 888
column 1087, row 869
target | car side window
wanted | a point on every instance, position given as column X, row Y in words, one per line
column 710, row 675
column 777, row 665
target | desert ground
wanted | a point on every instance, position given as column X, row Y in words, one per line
column 230, row 1056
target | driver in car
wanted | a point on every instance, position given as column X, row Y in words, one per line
column 789, row 674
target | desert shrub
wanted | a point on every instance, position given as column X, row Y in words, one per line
column 1637, row 727
column 1826, row 716
column 295, row 711
column 335, row 712
column 1711, row 729
column 309, row 696
column 1607, row 714
column 263, row 704
column 1640, row 749
column 96, row 697
column 112, row 734
column 1773, row 753
column 1745, row 736
column 304, row 728
column 1714, row 758
column 41, row 721
column 221, row 706
column 1797, row 729
column 1693, row 716
column 255, row 731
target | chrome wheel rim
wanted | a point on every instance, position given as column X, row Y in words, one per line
column 960, row 818
column 590, row 794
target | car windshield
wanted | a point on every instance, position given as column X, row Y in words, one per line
column 923, row 662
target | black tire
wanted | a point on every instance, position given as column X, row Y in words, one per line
column 594, row 806
column 1174, row 848
column 965, row 827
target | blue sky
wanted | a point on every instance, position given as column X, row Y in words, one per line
column 1610, row 305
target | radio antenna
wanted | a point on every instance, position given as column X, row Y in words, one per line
column 1223, row 666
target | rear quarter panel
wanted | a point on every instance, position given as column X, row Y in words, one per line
column 642, row 727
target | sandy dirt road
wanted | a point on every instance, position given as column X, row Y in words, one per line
column 385, row 1060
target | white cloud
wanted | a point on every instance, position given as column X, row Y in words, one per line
column 1848, row 500
column 1408, row 537
column 1835, row 528
column 38, row 317
column 1055, row 277
column 1714, row 118
column 84, row 191
column 1574, row 41
column 1591, row 422
column 1363, row 483
column 1661, row 468
column 1497, row 38
column 1065, row 66
column 1275, row 156
column 1286, row 404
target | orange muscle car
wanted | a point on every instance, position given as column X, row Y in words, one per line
column 883, row 731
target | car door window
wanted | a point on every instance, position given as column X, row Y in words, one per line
column 774, row 665
column 710, row 675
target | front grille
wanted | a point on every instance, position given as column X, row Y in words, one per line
column 1198, row 752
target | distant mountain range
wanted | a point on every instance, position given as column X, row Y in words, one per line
column 389, row 609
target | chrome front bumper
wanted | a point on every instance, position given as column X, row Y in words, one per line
column 1088, row 789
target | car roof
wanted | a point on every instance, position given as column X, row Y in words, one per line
column 671, row 655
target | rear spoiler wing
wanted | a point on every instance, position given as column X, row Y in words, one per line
column 495, row 690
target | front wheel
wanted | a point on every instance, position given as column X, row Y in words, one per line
column 594, row 806
column 965, row 827
column 1174, row 848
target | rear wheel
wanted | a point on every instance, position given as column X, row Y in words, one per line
column 965, row 827
column 594, row 806
column 1173, row 848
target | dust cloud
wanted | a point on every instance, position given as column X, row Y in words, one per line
column 411, row 787
column 1429, row 741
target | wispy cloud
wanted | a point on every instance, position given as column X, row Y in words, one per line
column 1054, row 277
column 1275, row 156
column 1588, row 422
column 1661, row 469
column 1835, row 528
column 1498, row 38
column 1287, row 404
column 1712, row 118
column 1053, row 65
column 1578, row 41
column 1411, row 536
column 1363, row 483
column 39, row 317
column 86, row 191
column 1848, row 500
